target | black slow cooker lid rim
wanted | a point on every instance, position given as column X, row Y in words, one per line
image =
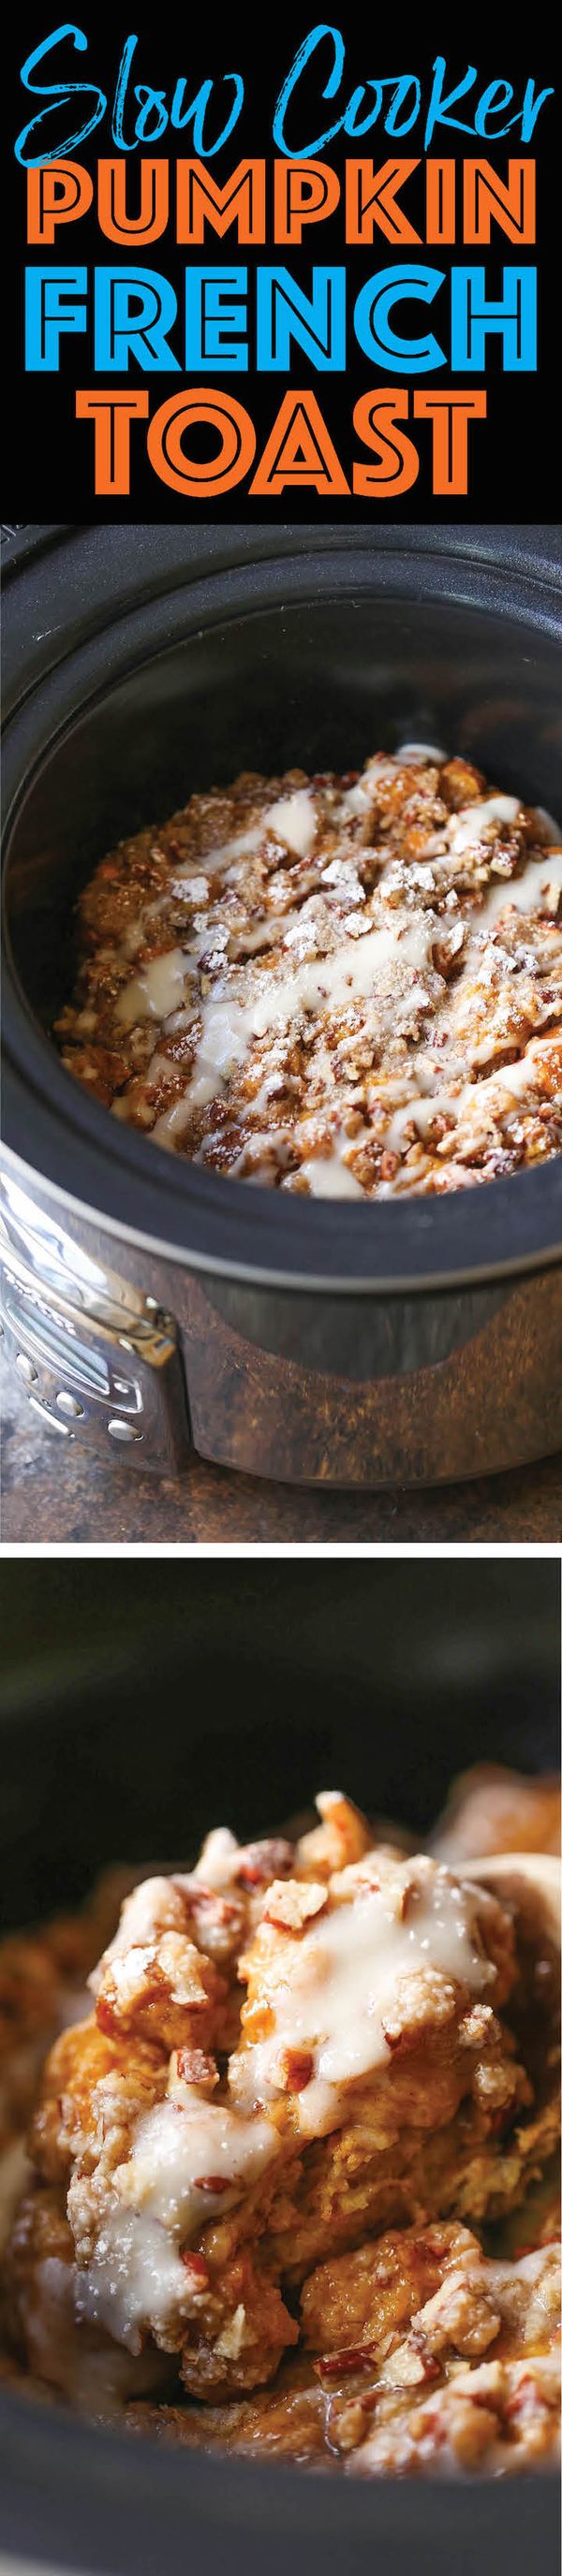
column 532, row 546
column 96, row 573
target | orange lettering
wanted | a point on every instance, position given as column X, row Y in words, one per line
column 510, row 202
column 152, row 217
column 304, row 193
column 201, row 201
column 440, row 206
column 56, row 195
column 196, row 479
column 299, row 451
column 112, row 414
column 450, row 414
column 397, row 465
column 364, row 211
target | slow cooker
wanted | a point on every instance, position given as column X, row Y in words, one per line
column 385, row 1679
column 151, row 1306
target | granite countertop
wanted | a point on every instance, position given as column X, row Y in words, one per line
column 77, row 1498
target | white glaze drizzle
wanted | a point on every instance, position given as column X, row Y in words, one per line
column 338, row 1983
column 370, row 966
column 135, row 2275
column 337, row 981
column 135, row 2278
column 536, row 891
column 156, row 991
column 329, row 1177
column 472, row 820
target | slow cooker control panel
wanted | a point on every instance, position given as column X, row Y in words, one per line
column 97, row 1367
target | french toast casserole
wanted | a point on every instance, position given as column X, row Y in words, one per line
column 345, row 986
column 288, row 2180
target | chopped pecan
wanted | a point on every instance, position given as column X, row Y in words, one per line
column 339, row 2365
column 193, row 2067
column 290, row 1904
column 296, row 2065
column 197, row 2269
column 216, row 2183
column 260, row 1863
column 415, row 2363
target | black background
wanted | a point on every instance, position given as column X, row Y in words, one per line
column 513, row 455
column 135, row 1714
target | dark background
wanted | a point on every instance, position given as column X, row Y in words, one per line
column 142, row 1702
column 514, row 473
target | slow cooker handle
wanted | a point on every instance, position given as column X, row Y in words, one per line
column 101, row 1365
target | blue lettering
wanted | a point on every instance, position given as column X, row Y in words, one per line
column 215, row 314
column 152, row 104
column 439, row 107
column 53, row 303
column 134, row 310
column 284, row 314
column 372, row 319
column 305, row 151
column 473, row 317
column 117, row 122
column 204, row 149
column 60, row 93
column 399, row 100
column 531, row 109
column 502, row 93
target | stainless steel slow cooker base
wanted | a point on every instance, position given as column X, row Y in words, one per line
column 149, row 1306
column 203, row 1362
